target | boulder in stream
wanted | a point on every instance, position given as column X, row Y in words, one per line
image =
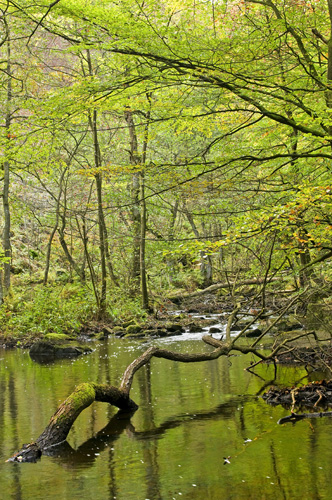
column 256, row 332
column 45, row 350
column 214, row 329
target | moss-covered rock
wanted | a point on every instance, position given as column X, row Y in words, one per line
column 255, row 332
column 160, row 332
column 174, row 328
column 214, row 329
column 127, row 323
column 107, row 330
column 132, row 329
column 45, row 349
column 193, row 328
column 102, row 335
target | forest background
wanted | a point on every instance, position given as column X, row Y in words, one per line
column 154, row 148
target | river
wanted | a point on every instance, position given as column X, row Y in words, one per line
column 190, row 417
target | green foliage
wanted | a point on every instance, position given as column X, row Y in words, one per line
column 125, row 307
column 231, row 135
column 46, row 310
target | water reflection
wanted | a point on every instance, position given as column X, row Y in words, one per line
column 191, row 416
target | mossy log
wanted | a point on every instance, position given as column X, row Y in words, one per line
column 61, row 422
column 85, row 394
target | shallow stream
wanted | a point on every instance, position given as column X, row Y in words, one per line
column 190, row 417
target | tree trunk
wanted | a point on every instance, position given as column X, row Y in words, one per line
column 138, row 203
column 85, row 394
column 206, row 264
column 103, row 243
column 50, row 240
column 72, row 262
column 144, row 287
column 102, row 305
column 135, row 192
column 6, row 174
column 217, row 286
column 101, row 221
column 170, row 259
column 329, row 64
column 84, row 237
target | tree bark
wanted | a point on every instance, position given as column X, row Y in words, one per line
column 50, row 240
column 206, row 264
column 101, row 221
column 72, row 262
column 61, row 422
column 139, row 213
column 6, row 174
column 135, row 193
column 144, row 286
column 329, row 62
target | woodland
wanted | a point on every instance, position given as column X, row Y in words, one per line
column 158, row 152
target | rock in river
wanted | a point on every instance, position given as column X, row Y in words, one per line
column 43, row 349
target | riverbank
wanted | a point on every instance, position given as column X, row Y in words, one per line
column 66, row 318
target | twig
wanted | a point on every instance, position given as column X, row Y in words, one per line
column 321, row 395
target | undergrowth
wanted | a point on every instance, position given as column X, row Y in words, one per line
column 61, row 308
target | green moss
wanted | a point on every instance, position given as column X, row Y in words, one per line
column 131, row 329
column 82, row 397
column 56, row 336
column 118, row 329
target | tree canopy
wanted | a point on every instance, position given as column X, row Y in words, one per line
column 151, row 145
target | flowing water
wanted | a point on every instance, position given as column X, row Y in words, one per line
column 190, row 417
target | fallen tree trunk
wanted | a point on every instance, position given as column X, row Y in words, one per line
column 218, row 286
column 61, row 422
column 85, row 394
